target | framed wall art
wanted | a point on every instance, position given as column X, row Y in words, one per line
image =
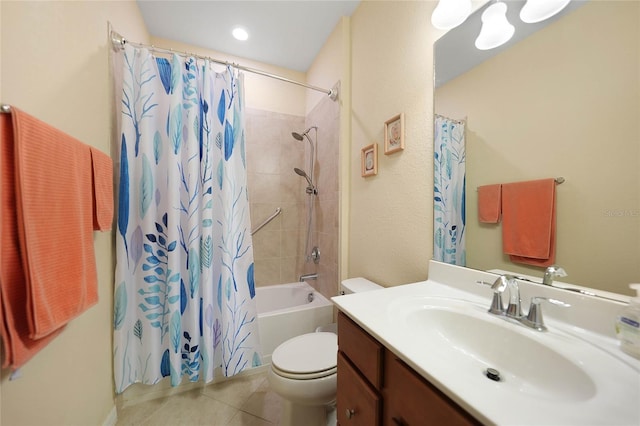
column 394, row 134
column 369, row 160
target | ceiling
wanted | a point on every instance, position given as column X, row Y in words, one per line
column 455, row 52
column 284, row 33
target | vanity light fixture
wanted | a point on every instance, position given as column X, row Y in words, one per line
column 450, row 13
column 496, row 29
column 240, row 33
column 538, row 10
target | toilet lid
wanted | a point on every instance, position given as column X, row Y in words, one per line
column 307, row 354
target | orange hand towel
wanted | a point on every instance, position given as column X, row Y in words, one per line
column 489, row 203
column 18, row 347
column 102, row 167
column 54, row 200
column 529, row 221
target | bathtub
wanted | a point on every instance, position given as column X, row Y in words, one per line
column 288, row 310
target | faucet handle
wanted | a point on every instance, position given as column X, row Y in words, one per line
column 534, row 317
column 497, row 307
column 551, row 273
column 556, row 271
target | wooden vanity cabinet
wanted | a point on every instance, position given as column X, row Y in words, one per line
column 376, row 388
column 360, row 363
column 357, row 403
column 409, row 399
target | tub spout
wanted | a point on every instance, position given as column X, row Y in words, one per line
column 308, row 277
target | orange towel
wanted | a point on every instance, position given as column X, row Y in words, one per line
column 102, row 190
column 18, row 347
column 54, row 199
column 489, row 203
column 529, row 222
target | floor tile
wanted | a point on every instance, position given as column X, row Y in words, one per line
column 191, row 409
column 265, row 404
column 242, row 400
column 137, row 414
column 246, row 419
column 236, row 391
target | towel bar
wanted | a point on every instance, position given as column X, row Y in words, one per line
column 558, row 180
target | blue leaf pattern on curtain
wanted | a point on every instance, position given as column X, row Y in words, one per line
column 184, row 210
column 123, row 196
column 449, row 192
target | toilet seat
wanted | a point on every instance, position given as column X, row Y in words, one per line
column 306, row 357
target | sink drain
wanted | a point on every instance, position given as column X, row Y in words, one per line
column 492, row 374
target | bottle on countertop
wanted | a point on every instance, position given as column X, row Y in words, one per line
column 628, row 325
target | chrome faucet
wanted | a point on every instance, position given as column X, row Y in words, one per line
column 305, row 277
column 534, row 317
column 552, row 272
column 514, row 309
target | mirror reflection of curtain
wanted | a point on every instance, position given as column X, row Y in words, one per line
column 449, row 191
column 184, row 296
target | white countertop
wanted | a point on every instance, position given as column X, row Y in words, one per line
column 581, row 334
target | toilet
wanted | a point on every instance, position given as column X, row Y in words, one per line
column 303, row 369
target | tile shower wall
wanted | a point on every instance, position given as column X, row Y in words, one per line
column 326, row 115
column 272, row 153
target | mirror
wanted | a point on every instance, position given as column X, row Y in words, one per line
column 562, row 102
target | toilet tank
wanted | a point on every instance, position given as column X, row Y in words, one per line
column 358, row 285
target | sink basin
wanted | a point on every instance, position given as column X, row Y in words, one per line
column 471, row 341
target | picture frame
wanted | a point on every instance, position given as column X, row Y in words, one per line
column 394, row 134
column 369, row 160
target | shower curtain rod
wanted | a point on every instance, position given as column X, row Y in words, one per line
column 119, row 41
column 462, row 121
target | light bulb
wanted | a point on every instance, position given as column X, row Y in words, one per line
column 496, row 29
column 539, row 10
column 240, row 33
column 450, row 13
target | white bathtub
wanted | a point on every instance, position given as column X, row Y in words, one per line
column 284, row 311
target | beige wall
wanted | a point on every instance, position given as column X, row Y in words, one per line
column 327, row 67
column 55, row 67
column 391, row 218
column 588, row 133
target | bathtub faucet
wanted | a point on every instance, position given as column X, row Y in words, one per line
column 308, row 277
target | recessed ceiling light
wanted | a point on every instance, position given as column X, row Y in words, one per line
column 240, row 33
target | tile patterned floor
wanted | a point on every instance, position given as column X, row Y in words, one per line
column 244, row 401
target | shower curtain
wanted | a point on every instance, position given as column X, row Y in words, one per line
column 449, row 192
column 184, row 291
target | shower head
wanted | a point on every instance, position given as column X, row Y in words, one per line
column 311, row 189
column 302, row 173
column 300, row 137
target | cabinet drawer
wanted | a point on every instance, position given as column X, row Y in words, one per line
column 410, row 400
column 363, row 350
column 357, row 404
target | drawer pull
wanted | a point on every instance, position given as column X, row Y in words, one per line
column 399, row 421
column 350, row 413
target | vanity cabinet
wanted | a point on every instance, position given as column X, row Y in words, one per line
column 360, row 362
column 376, row 388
